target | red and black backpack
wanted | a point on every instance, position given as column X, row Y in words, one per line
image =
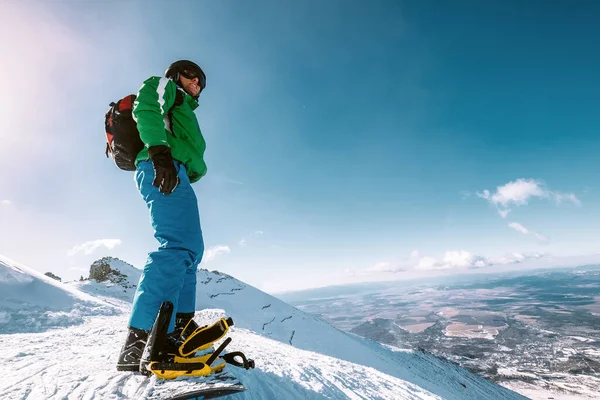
column 123, row 141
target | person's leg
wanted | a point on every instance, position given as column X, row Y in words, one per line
column 187, row 295
column 176, row 225
column 187, row 298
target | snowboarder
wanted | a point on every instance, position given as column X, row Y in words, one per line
column 171, row 160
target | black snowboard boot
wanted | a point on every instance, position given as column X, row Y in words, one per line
column 183, row 321
column 131, row 352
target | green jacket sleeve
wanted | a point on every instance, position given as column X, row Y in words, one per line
column 153, row 101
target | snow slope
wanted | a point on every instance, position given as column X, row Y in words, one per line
column 297, row 355
column 259, row 312
column 33, row 302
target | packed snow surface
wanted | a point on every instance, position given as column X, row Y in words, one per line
column 297, row 355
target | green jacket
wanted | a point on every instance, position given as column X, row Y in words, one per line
column 150, row 109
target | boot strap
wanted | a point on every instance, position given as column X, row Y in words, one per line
column 230, row 359
column 202, row 338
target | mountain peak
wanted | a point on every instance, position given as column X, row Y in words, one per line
column 114, row 270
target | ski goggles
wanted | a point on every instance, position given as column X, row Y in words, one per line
column 191, row 74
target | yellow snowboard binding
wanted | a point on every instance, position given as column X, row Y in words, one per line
column 171, row 357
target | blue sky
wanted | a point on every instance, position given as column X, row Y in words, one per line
column 346, row 141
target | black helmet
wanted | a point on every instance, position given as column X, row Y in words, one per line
column 180, row 66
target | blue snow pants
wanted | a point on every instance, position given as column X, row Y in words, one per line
column 170, row 271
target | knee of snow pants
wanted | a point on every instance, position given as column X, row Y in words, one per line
column 170, row 271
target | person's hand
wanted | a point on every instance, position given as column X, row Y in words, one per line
column 165, row 173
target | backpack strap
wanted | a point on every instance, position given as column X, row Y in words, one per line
column 179, row 98
column 108, row 124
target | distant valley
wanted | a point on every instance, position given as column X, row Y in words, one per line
column 529, row 332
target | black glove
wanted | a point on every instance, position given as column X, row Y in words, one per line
column 165, row 173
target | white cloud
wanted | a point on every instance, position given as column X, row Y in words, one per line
column 519, row 192
column 91, row 246
column 459, row 260
column 386, row 266
column 504, row 213
column 560, row 197
column 540, row 237
column 484, row 195
column 429, row 263
column 382, row 267
column 520, row 228
column 214, row 251
column 516, row 258
column 389, row 267
column 480, row 262
column 6, row 202
column 453, row 259
column 456, row 259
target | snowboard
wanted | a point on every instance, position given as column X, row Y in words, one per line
column 192, row 388
column 184, row 386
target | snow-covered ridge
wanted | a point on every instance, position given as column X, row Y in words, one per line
column 119, row 283
column 33, row 302
column 268, row 316
column 298, row 356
